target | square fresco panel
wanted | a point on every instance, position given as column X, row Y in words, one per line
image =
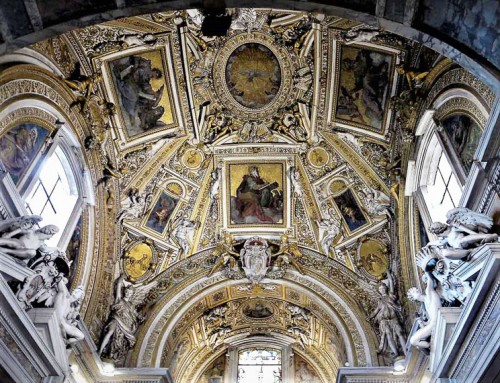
column 350, row 210
column 256, row 193
column 143, row 92
column 161, row 212
column 363, row 87
column 464, row 134
column 19, row 146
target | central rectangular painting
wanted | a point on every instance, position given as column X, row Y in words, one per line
column 256, row 194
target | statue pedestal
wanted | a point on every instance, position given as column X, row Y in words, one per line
column 13, row 270
column 49, row 329
column 469, row 355
column 446, row 322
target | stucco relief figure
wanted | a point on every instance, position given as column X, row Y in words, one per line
column 225, row 254
column 124, row 318
column 67, row 307
column 182, row 233
column 217, row 336
column 330, row 232
column 256, row 259
column 386, row 314
column 22, row 241
column 82, row 86
column 300, row 335
column 432, row 302
column 215, row 184
column 288, row 254
column 134, row 206
column 298, row 314
column 377, row 203
column 465, row 230
column 359, row 35
column 295, row 179
column 254, row 194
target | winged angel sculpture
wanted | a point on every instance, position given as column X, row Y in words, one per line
column 465, row 230
column 124, row 318
column 135, row 205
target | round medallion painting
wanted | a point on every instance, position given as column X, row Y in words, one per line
column 253, row 75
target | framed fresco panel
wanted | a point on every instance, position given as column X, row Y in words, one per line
column 464, row 134
column 19, row 146
column 162, row 210
column 141, row 82
column 364, row 82
column 350, row 210
column 256, row 194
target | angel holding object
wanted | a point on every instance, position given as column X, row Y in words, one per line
column 125, row 317
column 225, row 254
column 465, row 230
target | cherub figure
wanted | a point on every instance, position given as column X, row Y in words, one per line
column 215, row 184
column 125, row 317
column 465, row 230
column 225, row 253
column 287, row 254
column 414, row 79
column 295, row 179
column 377, row 203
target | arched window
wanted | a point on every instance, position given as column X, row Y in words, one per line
column 262, row 365
column 54, row 193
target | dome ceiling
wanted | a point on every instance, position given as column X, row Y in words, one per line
column 279, row 137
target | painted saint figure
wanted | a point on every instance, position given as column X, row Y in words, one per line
column 253, row 195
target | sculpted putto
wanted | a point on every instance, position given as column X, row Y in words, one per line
column 67, row 307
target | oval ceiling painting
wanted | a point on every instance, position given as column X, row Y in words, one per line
column 253, row 75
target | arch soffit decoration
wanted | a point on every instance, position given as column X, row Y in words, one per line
column 169, row 310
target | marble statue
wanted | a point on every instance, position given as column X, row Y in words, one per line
column 225, row 254
column 386, row 314
column 38, row 287
column 19, row 239
column 247, row 19
column 124, row 319
column 329, row 232
column 452, row 287
column 288, row 254
column 432, row 302
column 67, row 306
column 464, row 230
column 182, row 233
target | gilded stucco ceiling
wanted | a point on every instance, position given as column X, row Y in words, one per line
column 180, row 125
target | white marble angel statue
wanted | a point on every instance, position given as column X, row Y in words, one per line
column 386, row 314
column 67, row 307
column 124, row 318
column 465, row 230
column 432, row 302
column 377, row 203
column 134, row 206
column 19, row 239
column 329, row 231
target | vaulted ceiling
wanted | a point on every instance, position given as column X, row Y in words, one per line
column 321, row 106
